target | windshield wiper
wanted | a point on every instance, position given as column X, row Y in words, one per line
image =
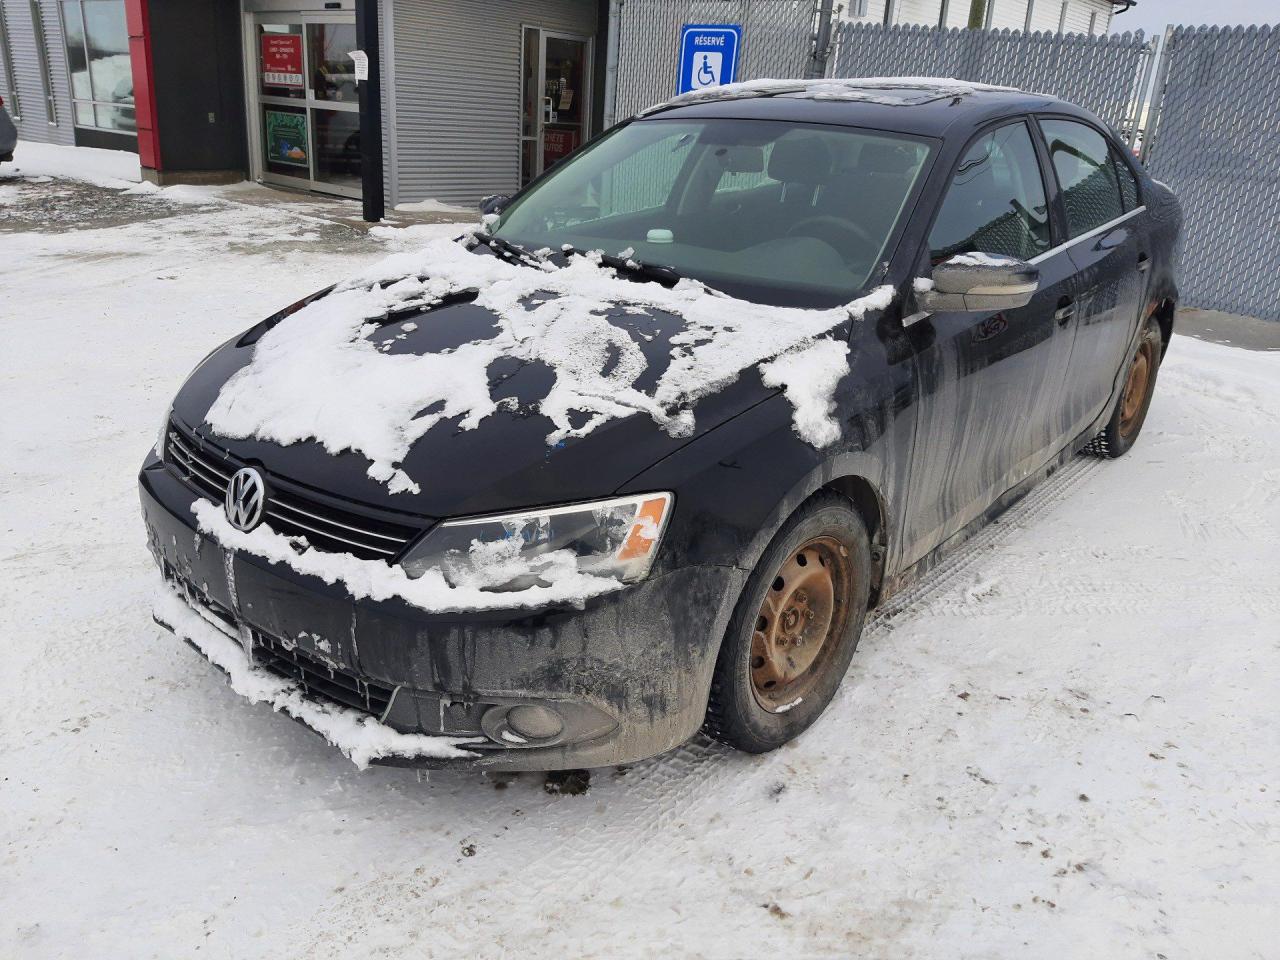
column 639, row 269
column 510, row 249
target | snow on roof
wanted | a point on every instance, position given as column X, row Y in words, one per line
column 893, row 91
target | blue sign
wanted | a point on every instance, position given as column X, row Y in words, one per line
column 708, row 55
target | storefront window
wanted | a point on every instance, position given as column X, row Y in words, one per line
column 98, row 60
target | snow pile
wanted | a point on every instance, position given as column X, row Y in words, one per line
column 431, row 205
column 906, row 91
column 316, row 375
column 378, row 580
column 105, row 168
column 359, row 736
column 809, row 377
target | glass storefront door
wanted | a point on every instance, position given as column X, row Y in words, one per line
column 556, row 99
column 305, row 101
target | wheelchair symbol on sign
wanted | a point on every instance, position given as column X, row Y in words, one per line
column 706, row 69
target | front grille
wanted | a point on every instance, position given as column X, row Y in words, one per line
column 200, row 601
column 289, row 511
column 318, row 678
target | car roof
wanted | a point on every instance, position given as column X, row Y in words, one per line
column 925, row 106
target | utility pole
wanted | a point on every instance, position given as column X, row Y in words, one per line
column 977, row 14
column 821, row 41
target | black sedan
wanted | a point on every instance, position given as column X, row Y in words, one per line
column 636, row 458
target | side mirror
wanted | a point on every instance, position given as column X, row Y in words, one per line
column 972, row 282
column 494, row 203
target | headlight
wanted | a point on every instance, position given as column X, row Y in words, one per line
column 607, row 538
column 163, row 436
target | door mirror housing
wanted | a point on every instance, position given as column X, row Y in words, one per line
column 494, row 203
column 973, row 282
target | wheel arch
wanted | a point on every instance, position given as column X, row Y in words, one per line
column 1164, row 311
column 854, row 485
column 869, row 503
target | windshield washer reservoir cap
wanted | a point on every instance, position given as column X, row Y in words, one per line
column 659, row 235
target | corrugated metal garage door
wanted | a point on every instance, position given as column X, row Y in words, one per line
column 35, row 123
column 456, row 73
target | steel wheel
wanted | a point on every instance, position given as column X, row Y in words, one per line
column 794, row 628
column 1132, row 401
column 805, row 607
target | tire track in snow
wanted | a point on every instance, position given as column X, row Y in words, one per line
column 570, row 866
column 935, row 584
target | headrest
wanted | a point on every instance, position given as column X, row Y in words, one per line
column 804, row 159
column 741, row 158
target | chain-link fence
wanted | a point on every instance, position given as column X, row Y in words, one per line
column 777, row 41
column 1215, row 139
column 1103, row 74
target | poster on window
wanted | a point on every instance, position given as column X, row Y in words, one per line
column 282, row 60
column 287, row 138
column 558, row 143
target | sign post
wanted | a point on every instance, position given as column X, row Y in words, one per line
column 708, row 55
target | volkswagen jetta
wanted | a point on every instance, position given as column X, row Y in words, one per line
column 635, row 458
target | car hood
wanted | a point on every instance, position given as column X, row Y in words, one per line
column 505, row 461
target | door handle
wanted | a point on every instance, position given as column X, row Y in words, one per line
column 1144, row 263
column 1066, row 310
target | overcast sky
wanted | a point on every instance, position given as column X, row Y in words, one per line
column 1150, row 16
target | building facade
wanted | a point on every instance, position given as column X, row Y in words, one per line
column 391, row 101
column 1091, row 17
column 465, row 97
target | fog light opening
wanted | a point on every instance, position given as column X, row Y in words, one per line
column 534, row 721
column 523, row 725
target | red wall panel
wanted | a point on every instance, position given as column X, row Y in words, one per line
column 139, row 24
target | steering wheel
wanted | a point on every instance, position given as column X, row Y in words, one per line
column 834, row 231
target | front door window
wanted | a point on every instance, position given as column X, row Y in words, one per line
column 996, row 202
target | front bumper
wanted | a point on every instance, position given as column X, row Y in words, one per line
column 624, row 678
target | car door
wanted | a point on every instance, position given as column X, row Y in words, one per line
column 1105, row 236
column 990, row 382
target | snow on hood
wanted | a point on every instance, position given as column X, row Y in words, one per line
column 316, row 375
column 906, row 91
column 359, row 736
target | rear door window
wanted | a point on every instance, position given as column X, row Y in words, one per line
column 1083, row 164
column 996, row 202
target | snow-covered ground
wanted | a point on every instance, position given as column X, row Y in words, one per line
column 1064, row 744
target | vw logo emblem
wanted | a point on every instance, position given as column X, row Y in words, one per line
column 246, row 497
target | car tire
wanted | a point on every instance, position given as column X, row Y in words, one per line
column 794, row 630
column 1130, row 413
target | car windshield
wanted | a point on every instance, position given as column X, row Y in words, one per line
column 771, row 211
